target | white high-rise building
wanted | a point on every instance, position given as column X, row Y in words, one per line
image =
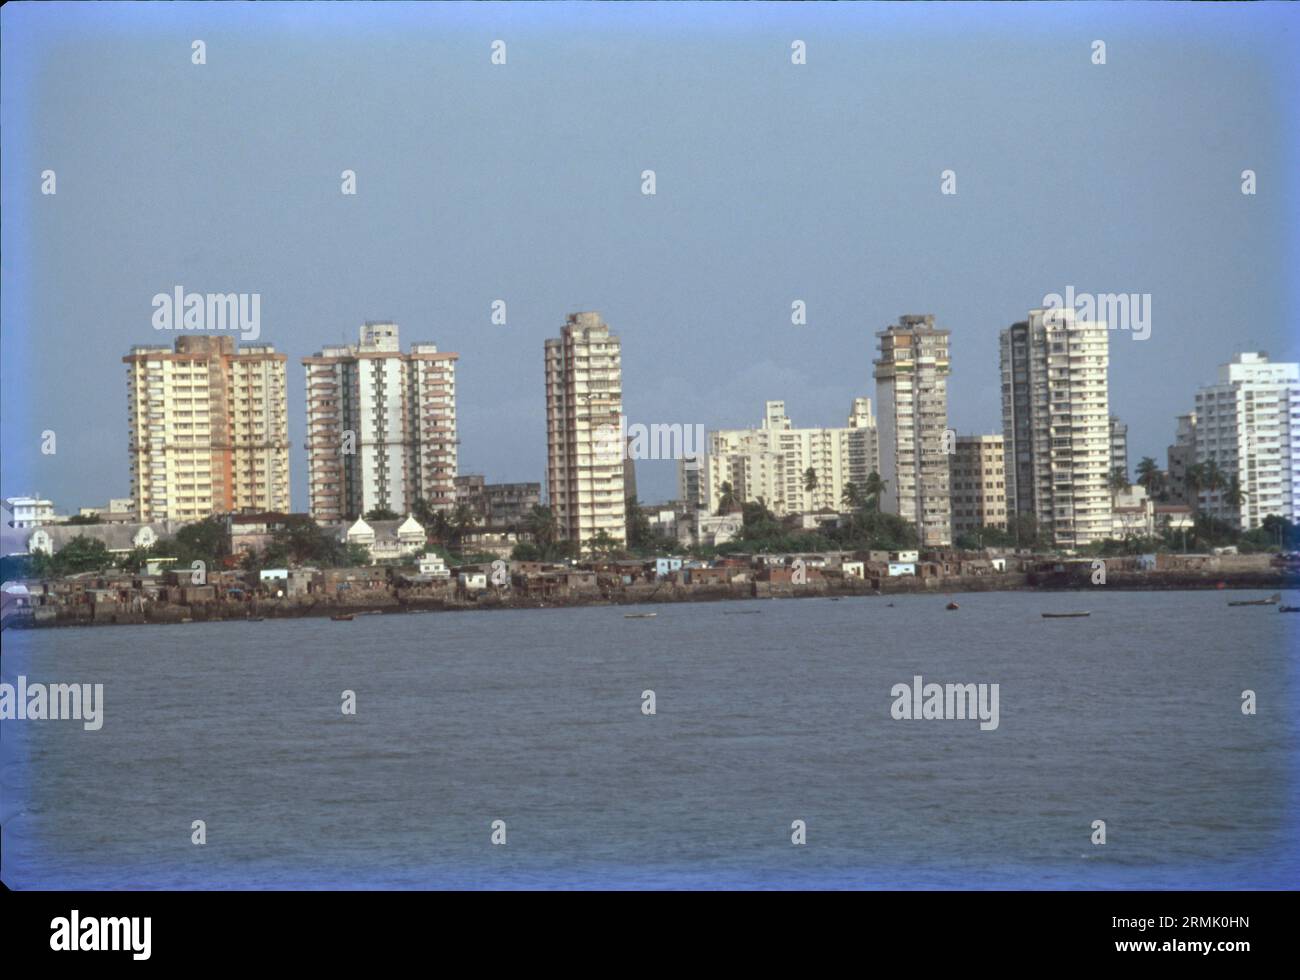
column 585, row 474
column 1248, row 424
column 772, row 463
column 1056, row 424
column 912, row 397
column 381, row 426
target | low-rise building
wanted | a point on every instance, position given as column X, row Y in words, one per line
column 387, row 540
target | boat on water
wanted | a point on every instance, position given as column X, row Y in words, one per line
column 1069, row 615
column 640, row 615
column 741, row 612
column 952, row 605
column 1272, row 600
column 1288, row 608
column 342, row 617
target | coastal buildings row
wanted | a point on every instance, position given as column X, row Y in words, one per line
column 209, row 435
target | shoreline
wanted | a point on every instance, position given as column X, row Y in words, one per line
column 319, row 607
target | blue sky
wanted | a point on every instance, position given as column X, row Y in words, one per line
column 521, row 182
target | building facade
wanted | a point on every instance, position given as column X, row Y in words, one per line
column 498, row 504
column 1179, row 457
column 1056, row 424
column 1118, row 446
column 1248, row 425
column 979, row 489
column 29, row 511
column 381, row 426
column 773, row 462
column 209, row 429
column 912, row 397
column 585, row 478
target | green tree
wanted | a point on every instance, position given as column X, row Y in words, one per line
column 638, row 524
column 543, row 526
column 1149, row 476
column 874, row 488
column 851, row 496
column 463, row 521
column 1234, row 496
column 81, row 554
column 382, row 514
column 809, row 480
column 601, row 544
column 727, row 500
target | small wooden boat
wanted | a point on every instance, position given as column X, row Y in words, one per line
column 1272, row 600
column 256, row 619
column 342, row 617
column 1288, row 608
column 640, row 615
column 1071, row 615
column 952, row 605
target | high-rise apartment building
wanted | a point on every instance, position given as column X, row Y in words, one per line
column 209, row 429
column 381, row 426
column 1248, row 424
column 691, row 482
column 1056, row 424
column 979, row 489
column 792, row 471
column 1118, row 446
column 1179, row 457
column 585, row 451
column 912, row 400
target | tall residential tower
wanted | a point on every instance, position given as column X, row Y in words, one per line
column 209, row 430
column 381, row 426
column 912, row 400
column 1056, row 424
column 1248, row 426
column 585, row 454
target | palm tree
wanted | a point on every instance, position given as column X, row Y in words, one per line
column 809, row 480
column 727, row 500
column 1234, row 496
column 543, row 526
column 1149, row 475
column 1194, row 478
column 874, row 488
column 1118, row 480
column 463, row 520
column 851, row 497
column 1215, row 478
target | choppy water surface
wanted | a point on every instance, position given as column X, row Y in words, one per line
column 767, row 712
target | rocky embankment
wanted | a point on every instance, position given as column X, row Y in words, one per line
column 385, row 602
